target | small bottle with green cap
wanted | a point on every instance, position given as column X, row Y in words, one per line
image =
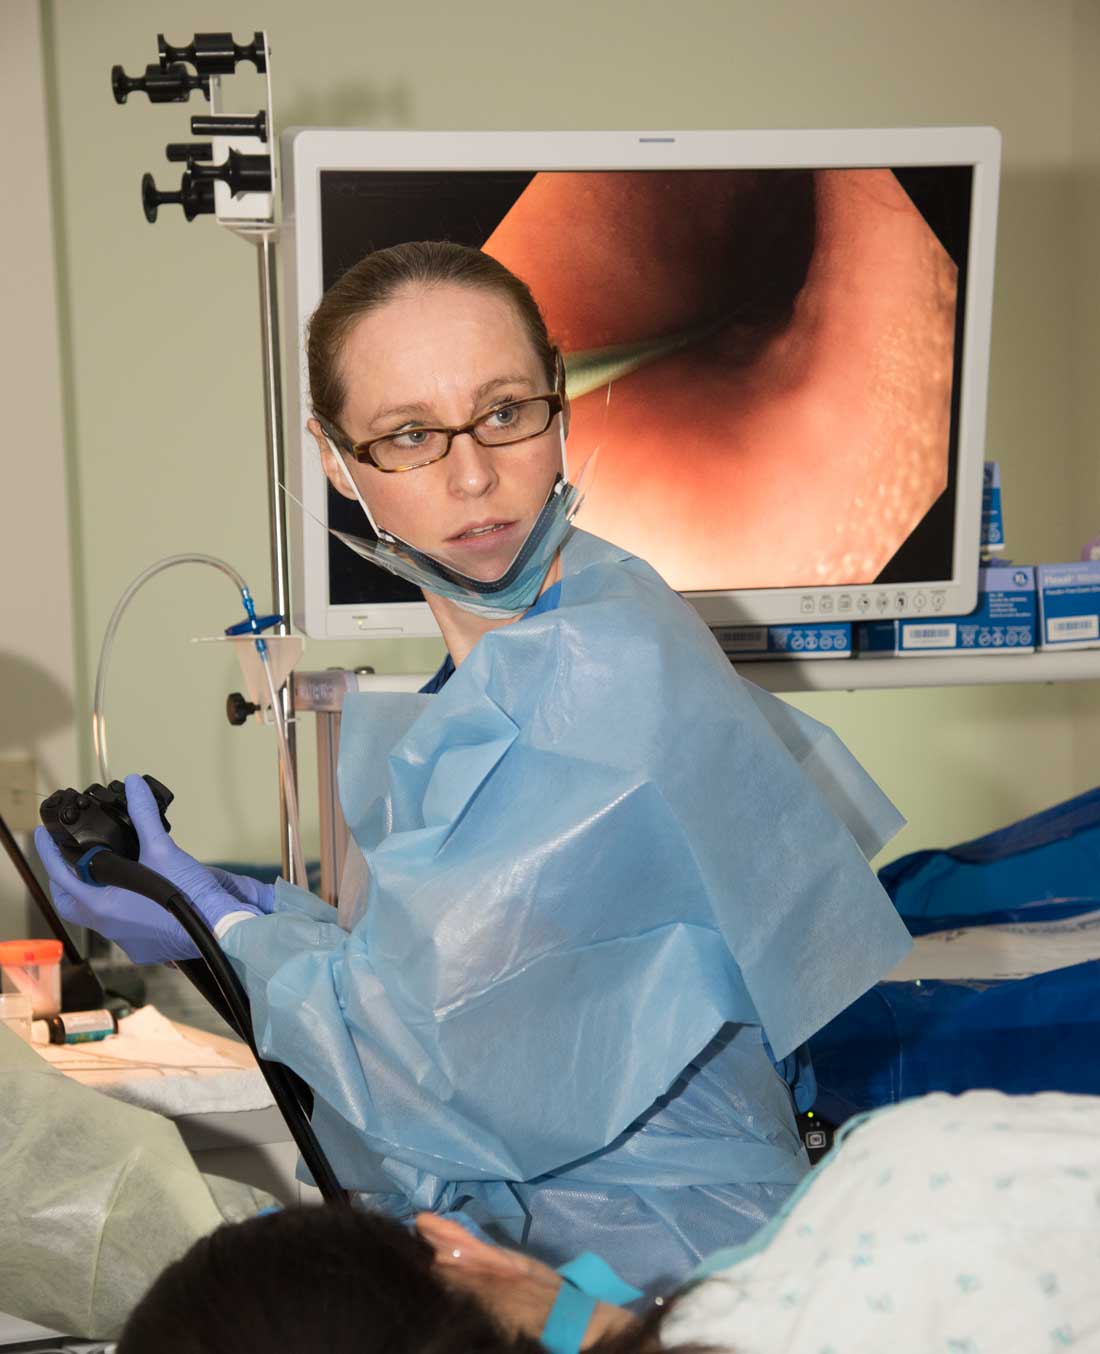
column 75, row 1027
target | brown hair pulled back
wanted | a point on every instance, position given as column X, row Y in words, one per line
column 380, row 277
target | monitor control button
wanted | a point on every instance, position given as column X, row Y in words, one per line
column 919, row 601
column 882, row 603
column 826, row 605
column 808, row 605
column 939, row 601
column 844, row 602
column 864, row 604
column 901, row 601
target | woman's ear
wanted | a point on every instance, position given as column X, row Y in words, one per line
column 332, row 463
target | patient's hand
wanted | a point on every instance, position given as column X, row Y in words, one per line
column 516, row 1289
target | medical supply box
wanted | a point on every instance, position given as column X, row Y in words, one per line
column 993, row 527
column 748, row 643
column 1003, row 622
column 1069, row 605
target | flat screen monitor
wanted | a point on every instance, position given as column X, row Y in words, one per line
column 778, row 341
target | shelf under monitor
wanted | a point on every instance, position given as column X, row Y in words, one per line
column 868, row 674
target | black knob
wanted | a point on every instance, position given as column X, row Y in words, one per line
column 230, row 124
column 196, row 199
column 214, row 53
column 152, row 199
column 55, row 798
column 122, row 85
column 186, row 152
column 69, row 815
column 237, row 709
column 243, row 173
column 171, row 85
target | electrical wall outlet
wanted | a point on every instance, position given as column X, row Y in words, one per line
column 19, row 799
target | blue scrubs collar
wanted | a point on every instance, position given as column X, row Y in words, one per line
column 547, row 602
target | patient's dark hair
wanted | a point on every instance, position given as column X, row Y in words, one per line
column 338, row 1280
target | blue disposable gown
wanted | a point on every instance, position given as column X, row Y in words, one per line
column 604, row 873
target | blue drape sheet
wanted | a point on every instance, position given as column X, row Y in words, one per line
column 604, row 870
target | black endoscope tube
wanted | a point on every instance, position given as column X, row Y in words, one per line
column 197, row 972
column 105, row 867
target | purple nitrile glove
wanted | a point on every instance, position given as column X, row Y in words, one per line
column 251, row 892
column 145, row 931
column 159, row 852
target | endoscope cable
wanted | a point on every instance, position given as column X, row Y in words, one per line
column 106, row 867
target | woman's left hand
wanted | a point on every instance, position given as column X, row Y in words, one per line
column 159, row 852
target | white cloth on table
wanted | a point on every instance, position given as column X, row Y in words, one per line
column 151, row 1064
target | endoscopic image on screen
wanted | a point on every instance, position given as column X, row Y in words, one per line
column 767, row 360
column 781, row 414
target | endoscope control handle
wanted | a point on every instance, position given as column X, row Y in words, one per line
column 173, row 84
column 215, row 53
column 98, row 817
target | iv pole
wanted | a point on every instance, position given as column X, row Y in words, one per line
column 232, row 177
column 266, row 241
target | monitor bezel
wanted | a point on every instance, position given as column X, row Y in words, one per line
column 306, row 152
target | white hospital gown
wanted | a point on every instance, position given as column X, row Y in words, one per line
column 956, row 1224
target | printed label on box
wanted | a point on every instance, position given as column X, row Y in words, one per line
column 1069, row 605
column 1073, row 627
column 751, row 637
column 929, row 636
column 832, row 639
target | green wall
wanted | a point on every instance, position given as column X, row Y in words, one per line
column 161, row 346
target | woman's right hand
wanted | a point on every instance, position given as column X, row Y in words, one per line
column 144, row 930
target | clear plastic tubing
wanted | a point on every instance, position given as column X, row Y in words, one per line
column 99, row 719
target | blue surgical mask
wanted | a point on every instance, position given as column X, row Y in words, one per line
column 517, row 588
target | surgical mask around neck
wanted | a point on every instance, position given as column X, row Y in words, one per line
column 517, row 587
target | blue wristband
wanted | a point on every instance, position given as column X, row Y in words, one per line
column 568, row 1320
column 588, row 1280
column 593, row 1275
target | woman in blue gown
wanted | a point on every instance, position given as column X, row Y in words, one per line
column 610, row 887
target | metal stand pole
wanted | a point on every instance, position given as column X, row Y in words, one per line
column 265, row 241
